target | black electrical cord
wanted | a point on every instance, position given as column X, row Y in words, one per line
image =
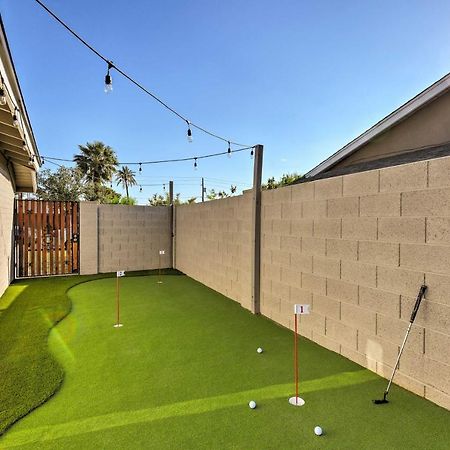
column 111, row 65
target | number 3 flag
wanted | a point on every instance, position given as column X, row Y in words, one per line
column 301, row 309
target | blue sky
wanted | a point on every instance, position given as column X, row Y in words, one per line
column 302, row 78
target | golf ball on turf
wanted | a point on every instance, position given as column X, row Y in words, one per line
column 318, row 431
column 252, row 404
column 259, row 350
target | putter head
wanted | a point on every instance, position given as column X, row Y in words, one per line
column 381, row 401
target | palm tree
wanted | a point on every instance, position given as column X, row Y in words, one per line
column 125, row 177
column 97, row 162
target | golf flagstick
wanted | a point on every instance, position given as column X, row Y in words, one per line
column 161, row 252
column 298, row 310
column 119, row 274
column 420, row 295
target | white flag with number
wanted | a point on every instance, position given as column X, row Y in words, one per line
column 162, row 252
column 120, row 273
column 301, row 309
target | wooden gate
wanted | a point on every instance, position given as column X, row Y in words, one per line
column 46, row 238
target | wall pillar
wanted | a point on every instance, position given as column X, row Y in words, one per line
column 88, row 238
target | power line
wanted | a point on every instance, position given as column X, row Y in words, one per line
column 108, row 81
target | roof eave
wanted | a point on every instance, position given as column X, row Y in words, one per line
column 419, row 101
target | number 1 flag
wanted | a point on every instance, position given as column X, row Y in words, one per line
column 120, row 273
column 301, row 309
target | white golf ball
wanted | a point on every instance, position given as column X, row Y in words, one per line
column 252, row 404
column 318, row 431
column 259, row 350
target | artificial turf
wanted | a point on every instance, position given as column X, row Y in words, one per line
column 181, row 372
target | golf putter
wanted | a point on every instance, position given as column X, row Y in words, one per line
column 422, row 290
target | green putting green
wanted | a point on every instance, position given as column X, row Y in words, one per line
column 181, row 371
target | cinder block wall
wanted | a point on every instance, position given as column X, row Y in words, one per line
column 213, row 245
column 6, row 225
column 357, row 248
column 120, row 237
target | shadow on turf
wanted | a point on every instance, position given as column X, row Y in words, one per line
column 186, row 408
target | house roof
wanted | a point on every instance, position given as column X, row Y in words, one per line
column 17, row 142
column 422, row 154
column 419, row 101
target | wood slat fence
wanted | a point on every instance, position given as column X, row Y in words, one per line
column 46, row 238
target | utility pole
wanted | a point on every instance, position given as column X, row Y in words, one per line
column 171, row 215
column 256, row 230
column 203, row 189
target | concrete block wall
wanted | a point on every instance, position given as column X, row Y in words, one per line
column 88, row 238
column 213, row 245
column 357, row 248
column 120, row 237
column 6, row 226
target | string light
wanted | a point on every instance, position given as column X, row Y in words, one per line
column 229, row 150
column 43, row 161
column 140, row 188
column 163, row 161
column 251, row 154
column 24, row 146
column 140, row 167
column 132, row 80
column 195, row 164
column 15, row 117
column 2, row 93
column 164, row 187
column 189, row 132
column 108, row 79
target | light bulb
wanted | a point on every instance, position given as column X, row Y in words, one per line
column 108, row 83
column 140, row 190
column 195, row 164
column 229, row 150
column 2, row 97
column 15, row 118
column 251, row 154
column 189, row 132
column 108, row 79
column 140, row 167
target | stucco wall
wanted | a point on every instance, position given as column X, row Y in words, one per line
column 428, row 126
column 6, row 225
column 119, row 237
column 357, row 248
column 213, row 245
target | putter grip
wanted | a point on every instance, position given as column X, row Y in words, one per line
column 422, row 290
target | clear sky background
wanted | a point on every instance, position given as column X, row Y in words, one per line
column 302, row 78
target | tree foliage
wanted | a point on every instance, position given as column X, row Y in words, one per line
column 212, row 194
column 163, row 200
column 65, row 184
column 125, row 177
column 285, row 180
column 97, row 163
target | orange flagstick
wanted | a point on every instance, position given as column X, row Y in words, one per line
column 298, row 310
column 120, row 273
